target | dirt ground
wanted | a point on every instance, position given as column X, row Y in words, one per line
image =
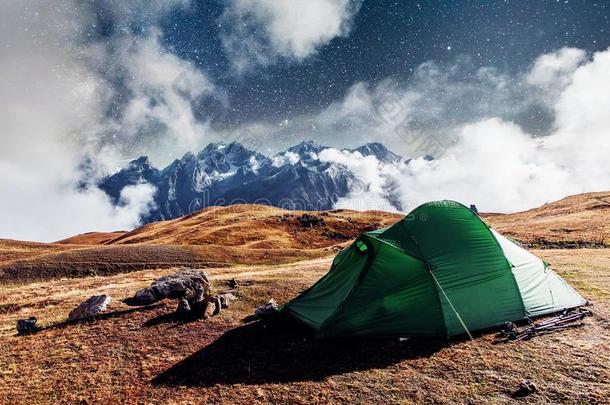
column 147, row 356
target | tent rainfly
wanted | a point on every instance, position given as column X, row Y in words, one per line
column 440, row 271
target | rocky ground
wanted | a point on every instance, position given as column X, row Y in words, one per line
column 147, row 355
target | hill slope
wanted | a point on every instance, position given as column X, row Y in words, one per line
column 259, row 226
column 91, row 238
column 215, row 236
column 251, row 234
column 581, row 220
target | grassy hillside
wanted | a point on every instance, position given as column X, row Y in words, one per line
column 581, row 220
column 215, row 236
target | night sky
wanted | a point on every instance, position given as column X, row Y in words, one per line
column 510, row 98
column 387, row 39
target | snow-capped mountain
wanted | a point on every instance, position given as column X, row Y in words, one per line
column 223, row 174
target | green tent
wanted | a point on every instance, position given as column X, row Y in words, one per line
column 440, row 271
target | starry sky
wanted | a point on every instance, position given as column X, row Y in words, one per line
column 387, row 39
column 517, row 90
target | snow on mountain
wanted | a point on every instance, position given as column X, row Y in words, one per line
column 297, row 178
column 378, row 150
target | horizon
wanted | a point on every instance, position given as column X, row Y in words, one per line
column 510, row 99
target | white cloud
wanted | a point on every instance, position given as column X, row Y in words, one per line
column 159, row 114
column 556, row 68
column 56, row 93
column 434, row 102
column 495, row 164
column 287, row 157
column 135, row 201
column 257, row 32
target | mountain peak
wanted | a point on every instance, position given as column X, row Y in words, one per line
column 228, row 172
column 224, row 148
column 378, row 150
column 141, row 165
column 142, row 161
column 188, row 156
column 305, row 147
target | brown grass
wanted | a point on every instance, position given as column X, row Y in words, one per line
column 577, row 221
column 11, row 250
column 91, row 238
column 146, row 356
column 217, row 236
column 247, row 224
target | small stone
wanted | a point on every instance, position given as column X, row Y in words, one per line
column 267, row 309
column 225, row 299
column 27, row 326
column 525, row 388
column 91, row 307
column 217, row 306
column 183, row 308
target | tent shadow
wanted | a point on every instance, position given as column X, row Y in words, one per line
column 262, row 352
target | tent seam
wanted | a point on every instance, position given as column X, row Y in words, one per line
column 365, row 268
column 425, row 261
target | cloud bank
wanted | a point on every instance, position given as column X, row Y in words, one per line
column 59, row 92
column 259, row 32
column 492, row 161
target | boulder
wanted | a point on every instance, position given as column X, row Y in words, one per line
column 92, row 306
column 190, row 286
column 186, row 283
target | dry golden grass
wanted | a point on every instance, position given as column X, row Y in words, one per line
column 146, row 356
column 249, row 224
column 581, row 220
column 91, row 238
column 11, row 250
column 215, row 236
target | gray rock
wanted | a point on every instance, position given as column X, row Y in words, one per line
column 91, row 307
column 186, row 283
column 191, row 287
column 225, row 299
column 145, row 296
column 217, row 306
column 263, row 311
